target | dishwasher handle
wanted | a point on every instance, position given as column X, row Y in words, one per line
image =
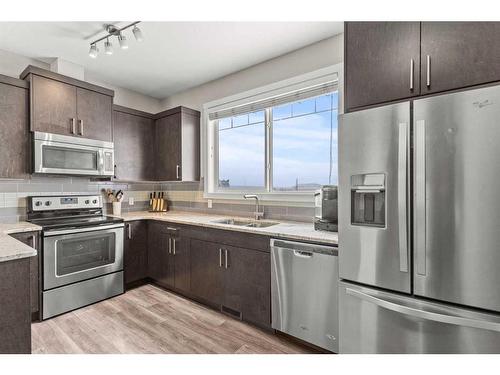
column 302, row 254
column 305, row 250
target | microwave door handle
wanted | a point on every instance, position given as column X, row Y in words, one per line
column 101, row 162
column 402, row 197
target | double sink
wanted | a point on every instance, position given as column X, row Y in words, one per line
column 246, row 223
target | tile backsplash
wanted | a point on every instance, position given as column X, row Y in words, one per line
column 181, row 196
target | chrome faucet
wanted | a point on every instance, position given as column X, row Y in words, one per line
column 258, row 214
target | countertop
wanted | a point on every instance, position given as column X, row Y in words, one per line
column 284, row 230
column 10, row 248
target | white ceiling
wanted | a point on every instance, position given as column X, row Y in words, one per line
column 173, row 57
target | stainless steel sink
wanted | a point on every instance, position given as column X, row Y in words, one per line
column 246, row 223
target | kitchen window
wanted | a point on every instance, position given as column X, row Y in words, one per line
column 281, row 145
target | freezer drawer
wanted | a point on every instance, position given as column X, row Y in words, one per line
column 304, row 287
column 374, row 321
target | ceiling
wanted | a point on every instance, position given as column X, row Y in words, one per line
column 173, row 57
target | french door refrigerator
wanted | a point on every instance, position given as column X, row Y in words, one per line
column 419, row 226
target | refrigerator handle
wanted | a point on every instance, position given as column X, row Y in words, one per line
column 420, row 245
column 422, row 314
column 402, row 196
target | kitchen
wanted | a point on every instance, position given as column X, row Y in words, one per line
column 311, row 198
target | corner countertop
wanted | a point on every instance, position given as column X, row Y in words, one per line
column 284, row 229
column 10, row 248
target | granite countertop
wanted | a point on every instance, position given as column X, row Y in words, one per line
column 10, row 248
column 285, row 229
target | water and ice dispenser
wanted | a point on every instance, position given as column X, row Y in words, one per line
column 368, row 199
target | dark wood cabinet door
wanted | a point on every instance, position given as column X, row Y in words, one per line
column 94, row 115
column 182, row 263
column 169, row 154
column 53, row 106
column 378, row 62
column 247, row 284
column 206, row 271
column 15, row 319
column 160, row 258
column 461, row 54
column 134, row 138
column 14, row 132
column 32, row 239
column 135, row 251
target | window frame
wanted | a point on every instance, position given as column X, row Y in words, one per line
column 210, row 155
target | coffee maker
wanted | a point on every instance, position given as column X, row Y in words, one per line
column 326, row 217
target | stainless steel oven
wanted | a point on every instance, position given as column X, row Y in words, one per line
column 61, row 154
column 82, row 251
column 74, row 255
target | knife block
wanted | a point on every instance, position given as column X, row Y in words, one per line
column 158, row 205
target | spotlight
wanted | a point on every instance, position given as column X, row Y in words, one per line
column 123, row 41
column 108, row 47
column 93, row 51
column 137, row 33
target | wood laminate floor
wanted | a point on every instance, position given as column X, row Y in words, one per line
column 149, row 319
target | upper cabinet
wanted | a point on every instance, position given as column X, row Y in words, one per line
column 459, row 54
column 63, row 105
column 178, row 145
column 391, row 61
column 14, row 129
column 134, row 139
column 382, row 62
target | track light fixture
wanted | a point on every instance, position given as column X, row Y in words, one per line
column 111, row 31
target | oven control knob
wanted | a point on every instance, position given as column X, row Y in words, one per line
column 87, row 201
column 48, row 203
column 94, row 201
column 38, row 203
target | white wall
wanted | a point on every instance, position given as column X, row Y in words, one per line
column 318, row 55
column 12, row 65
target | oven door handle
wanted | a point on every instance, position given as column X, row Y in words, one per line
column 82, row 230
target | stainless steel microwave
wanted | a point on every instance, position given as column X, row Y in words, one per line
column 62, row 154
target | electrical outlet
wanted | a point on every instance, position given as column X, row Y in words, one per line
column 209, row 203
column 131, row 201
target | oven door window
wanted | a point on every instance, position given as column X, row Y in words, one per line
column 69, row 158
column 84, row 253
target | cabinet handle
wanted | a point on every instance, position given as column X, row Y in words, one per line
column 428, row 71
column 226, row 265
column 169, row 245
column 129, row 228
column 173, row 241
column 177, row 171
column 411, row 74
column 73, row 126
column 220, row 258
column 80, row 122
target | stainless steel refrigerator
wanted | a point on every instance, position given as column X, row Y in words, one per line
column 419, row 226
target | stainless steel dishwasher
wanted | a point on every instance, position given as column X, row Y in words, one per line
column 304, row 290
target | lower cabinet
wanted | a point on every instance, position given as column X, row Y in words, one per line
column 206, row 271
column 15, row 319
column 228, row 271
column 32, row 239
column 169, row 257
column 237, row 279
column 247, row 284
column 135, row 251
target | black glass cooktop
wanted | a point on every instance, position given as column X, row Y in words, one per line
column 74, row 222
